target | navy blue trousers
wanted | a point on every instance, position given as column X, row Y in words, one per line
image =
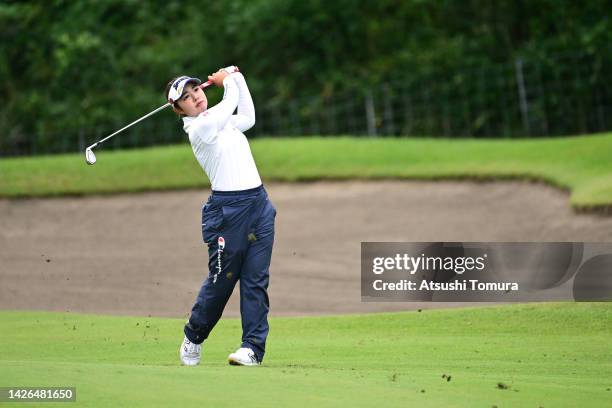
column 238, row 227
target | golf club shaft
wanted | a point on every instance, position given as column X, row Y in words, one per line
column 204, row 85
column 133, row 123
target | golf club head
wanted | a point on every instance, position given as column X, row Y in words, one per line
column 90, row 157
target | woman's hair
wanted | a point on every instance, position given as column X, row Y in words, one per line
column 167, row 91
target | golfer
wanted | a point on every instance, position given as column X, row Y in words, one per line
column 237, row 219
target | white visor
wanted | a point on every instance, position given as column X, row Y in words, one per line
column 178, row 86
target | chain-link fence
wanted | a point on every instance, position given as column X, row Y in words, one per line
column 519, row 99
column 547, row 96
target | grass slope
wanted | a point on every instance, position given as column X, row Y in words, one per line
column 582, row 165
column 550, row 355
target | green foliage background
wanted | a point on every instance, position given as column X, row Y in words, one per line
column 79, row 66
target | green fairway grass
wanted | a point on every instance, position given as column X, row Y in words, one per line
column 537, row 355
column 581, row 165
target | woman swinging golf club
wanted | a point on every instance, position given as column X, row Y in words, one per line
column 237, row 219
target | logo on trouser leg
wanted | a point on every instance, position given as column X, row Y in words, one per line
column 220, row 247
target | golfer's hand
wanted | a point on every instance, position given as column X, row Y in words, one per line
column 218, row 77
column 231, row 69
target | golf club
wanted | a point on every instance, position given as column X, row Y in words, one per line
column 90, row 157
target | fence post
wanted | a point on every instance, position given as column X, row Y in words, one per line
column 370, row 113
column 520, row 83
column 388, row 116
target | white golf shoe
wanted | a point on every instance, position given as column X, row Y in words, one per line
column 244, row 357
column 190, row 353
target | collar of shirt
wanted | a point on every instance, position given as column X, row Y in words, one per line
column 188, row 119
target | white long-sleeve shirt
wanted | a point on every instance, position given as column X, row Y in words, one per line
column 218, row 142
